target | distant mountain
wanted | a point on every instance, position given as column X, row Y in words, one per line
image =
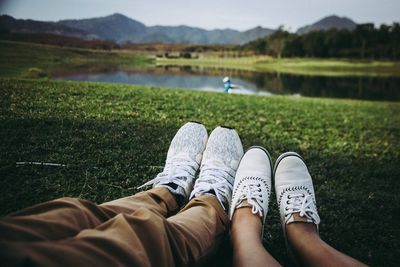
column 117, row 27
column 8, row 23
column 121, row 29
column 328, row 23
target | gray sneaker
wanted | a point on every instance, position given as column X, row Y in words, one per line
column 218, row 168
column 183, row 160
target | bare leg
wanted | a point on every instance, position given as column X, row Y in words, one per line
column 248, row 249
column 311, row 250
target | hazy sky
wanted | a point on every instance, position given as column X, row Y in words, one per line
column 209, row 14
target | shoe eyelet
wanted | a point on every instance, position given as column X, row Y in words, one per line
column 286, row 209
column 287, row 202
column 259, row 189
column 289, row 197
column 262, row 201
column 258, row 185
column 260, row 195
column 304, row 195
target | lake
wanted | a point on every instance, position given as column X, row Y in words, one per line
column 250, row 82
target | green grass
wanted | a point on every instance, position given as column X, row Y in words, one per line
column 114, row 137
column 331, row 67
column 301, row 66
column 35, row 60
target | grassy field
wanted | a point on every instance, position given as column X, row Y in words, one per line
column 301, row 66
column 112, row 138
column 36, row 60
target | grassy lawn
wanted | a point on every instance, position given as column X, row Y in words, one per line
column 112, row 138
column 331, row 67
column 36, row 60
column 301, row 66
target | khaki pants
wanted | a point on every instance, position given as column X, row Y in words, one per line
column 132, row 231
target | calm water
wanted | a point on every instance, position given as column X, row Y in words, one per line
column 249, row 82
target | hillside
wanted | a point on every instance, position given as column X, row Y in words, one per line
column 331, row 22
column 122, row 29
column 10, row 24
column 115, row 27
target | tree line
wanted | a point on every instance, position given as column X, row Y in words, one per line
column 364, row 42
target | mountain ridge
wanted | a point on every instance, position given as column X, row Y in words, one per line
column 122, row 29
column 327, row 23
column 137, row 32
column 8, row 23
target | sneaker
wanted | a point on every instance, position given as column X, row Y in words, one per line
column 183, row 160
column 218, row 168
column 253, row 182
column 294, row 191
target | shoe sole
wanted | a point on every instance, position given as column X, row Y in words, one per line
column 227, row 127
column 198, row 122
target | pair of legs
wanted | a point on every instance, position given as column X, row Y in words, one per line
column 297, row 205
column 147, row 229
column 309, row 248
column 141, row 230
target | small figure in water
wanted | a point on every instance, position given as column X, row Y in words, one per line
column 228, row 86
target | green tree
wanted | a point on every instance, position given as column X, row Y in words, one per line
column 277, row 41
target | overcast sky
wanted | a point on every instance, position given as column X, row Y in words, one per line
column 209, row 14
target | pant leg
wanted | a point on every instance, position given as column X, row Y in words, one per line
column 199, row 228
column 142, row 238
column 66, row 217
column 159, row 200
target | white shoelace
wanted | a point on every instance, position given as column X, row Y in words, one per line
column 177, row 170
column 217, row 179
column 301, row 203
column 252, row 193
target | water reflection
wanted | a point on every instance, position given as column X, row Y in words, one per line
column 250, row 82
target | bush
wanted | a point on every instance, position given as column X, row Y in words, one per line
column 36, row 73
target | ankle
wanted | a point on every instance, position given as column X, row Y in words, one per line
column 301, row 232
column 246, row 225
column 244, row 215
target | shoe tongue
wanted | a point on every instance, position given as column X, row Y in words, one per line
column 295, row 217
column 217, row 164
column 181, row 156
column 243, row 204
column 214, row 163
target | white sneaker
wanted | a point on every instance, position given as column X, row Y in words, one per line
column 253, row 182
column 294, row 190
column 218, row 168
column 183, row 160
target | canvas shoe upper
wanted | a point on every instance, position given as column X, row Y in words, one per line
column 253, row 182
column 183, row 160
column 294, row 190
column 218, row 168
